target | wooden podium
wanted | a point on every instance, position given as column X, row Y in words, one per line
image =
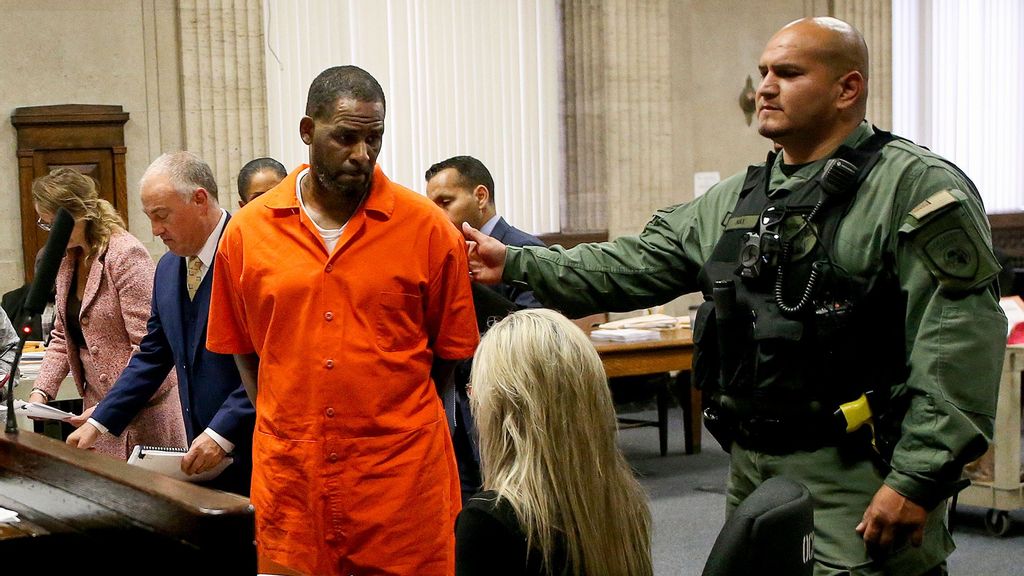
column 81, row 510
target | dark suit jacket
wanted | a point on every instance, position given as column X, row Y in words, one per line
column 512, row 236
column 209, row 386
column 515, row 298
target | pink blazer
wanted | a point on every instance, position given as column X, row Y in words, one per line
column 115, row 310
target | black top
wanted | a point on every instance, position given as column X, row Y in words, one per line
column 489, row 541
column 72, row 325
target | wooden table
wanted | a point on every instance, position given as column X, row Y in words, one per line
column 672, row 352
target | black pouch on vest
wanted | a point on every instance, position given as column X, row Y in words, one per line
column 707, row 375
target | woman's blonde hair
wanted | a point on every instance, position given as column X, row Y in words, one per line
column 548, row 445
column 71, row 190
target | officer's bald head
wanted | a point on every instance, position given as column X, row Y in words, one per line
column 830, row 41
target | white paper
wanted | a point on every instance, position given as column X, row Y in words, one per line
column 625, row 335
column 168, row 463
column 702, row 181
column 8, row 516
column 653, row 321
column 41, row 411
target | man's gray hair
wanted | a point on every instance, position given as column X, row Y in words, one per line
column 185, row 170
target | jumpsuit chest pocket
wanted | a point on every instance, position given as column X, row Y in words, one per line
column 399, row 322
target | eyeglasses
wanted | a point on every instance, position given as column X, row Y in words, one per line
column 44, row 226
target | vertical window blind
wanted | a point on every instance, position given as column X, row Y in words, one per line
column 474, row 77
column 958, row 84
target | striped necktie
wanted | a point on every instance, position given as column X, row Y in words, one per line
column 195, row 275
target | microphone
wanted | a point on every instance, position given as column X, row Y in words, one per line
column 46, row 272
column 38, row 295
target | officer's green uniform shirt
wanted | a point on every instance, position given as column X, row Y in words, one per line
column 955, row 329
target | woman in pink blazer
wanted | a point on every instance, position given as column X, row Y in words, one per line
column 104, row 289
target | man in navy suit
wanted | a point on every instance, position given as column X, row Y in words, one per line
column 463, row 187
column 179, row 195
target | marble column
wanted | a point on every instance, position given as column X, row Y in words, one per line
column 223, row 85
column 618, row 133
column 874, row 20
column 584, row 208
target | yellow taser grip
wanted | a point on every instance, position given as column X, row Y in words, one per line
column 856, row 412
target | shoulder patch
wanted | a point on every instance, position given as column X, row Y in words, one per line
column 934, row 202
column 954, row 248
column 953, row 253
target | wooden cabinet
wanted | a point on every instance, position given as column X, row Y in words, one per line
column 86, row 137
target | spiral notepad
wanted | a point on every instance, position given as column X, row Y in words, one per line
column 167, row 461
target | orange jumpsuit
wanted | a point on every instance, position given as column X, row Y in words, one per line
column 353, row 468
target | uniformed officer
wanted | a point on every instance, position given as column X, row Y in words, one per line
column 809, row 263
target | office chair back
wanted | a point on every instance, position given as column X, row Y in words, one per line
column 770, row 532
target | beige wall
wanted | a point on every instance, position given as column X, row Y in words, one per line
column 717, row 46
column 188, row 72
column 97, row 52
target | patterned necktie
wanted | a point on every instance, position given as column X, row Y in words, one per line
column 195, row 275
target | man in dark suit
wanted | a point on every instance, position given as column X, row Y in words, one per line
column 179, row 195
column 463, row 187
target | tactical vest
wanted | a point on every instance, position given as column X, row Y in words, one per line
column 785, row 334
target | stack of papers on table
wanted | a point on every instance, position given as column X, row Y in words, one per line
column 29, row 369
column 31, row 359
column 624, row 335
column 647, row 321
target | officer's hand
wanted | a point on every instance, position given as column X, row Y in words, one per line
column 889, row 520
column 203, row 455
column 486, row 256
column 84, row 437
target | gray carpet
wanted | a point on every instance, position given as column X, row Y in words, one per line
column 688, row 507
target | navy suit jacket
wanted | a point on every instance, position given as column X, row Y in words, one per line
column 518, row 297
column 209, row 386
column 512, row 236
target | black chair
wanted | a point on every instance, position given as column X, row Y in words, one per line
column 770, row 532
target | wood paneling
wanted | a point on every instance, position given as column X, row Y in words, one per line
column 86, row 137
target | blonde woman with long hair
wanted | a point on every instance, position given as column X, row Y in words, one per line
column 558, row 495
column 104, row 290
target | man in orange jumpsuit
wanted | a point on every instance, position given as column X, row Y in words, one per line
column 345, row 298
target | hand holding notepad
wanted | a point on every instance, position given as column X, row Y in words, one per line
column 167, row 461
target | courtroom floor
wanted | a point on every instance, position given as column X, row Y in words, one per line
column 688, row 507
